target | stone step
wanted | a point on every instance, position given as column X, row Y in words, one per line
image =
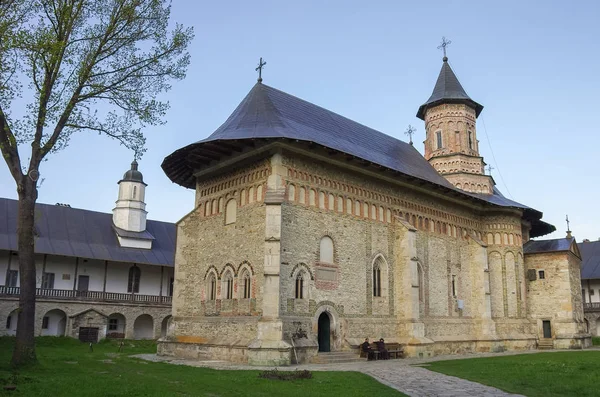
column 336, row 357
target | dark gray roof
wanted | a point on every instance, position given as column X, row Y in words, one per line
column 448, row 90
column 269, row 114
column 85, row 234
column 555, row 245
column 133, row 174
column 590, row 256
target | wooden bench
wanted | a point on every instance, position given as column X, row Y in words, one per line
column 394, row 350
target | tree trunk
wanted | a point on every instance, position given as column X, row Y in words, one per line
column 24, row 352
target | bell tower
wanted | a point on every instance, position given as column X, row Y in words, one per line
column 451, row 144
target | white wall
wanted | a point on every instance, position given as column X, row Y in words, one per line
column 63, row 269
column 588, row 285
column 95, row 269
column 116, row 276
column 57, row 322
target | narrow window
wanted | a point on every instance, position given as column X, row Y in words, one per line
column 48, row 281
column 376, row 281
column 439, row 139
column 247, row 284
column 171, row 284
column 228, row 286
column 12, row 277
column 542, row 274
column 212, row 288
column 302, row 196
column 454, row 286
column 299, row 287
column 133, row 284
column 45, row 322
column 8, row 322
column 291, row 193
column 134, row 192
column 470, row 140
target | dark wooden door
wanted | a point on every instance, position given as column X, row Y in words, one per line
column 83, row 284
column 547, row 329
column 324, row 328
column 88, row 334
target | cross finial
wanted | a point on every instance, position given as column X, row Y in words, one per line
column 259, row 68
column 445, row 43
column 410, row 131
column 489, row 169
column 568, row 227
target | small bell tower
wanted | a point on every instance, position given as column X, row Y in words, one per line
column 451, row 144
column 129, row 214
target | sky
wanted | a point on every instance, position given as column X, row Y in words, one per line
column 532, row 64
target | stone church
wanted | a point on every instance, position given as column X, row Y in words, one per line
column 310, row 232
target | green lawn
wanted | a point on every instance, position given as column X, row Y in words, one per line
column 596, row 340
column 67, row 368
column 544, row 374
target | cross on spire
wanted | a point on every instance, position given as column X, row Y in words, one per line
column 489, row 169
column 410, row 131
column 259, row 68
column 568, row 224
column 445, row 43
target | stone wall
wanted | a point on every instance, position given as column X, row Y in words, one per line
column 76, row 315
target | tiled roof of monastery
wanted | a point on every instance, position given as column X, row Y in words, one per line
column 86, row 234
column 554, row 245
column 448, row 90
column 590, row 255
column 267, row 114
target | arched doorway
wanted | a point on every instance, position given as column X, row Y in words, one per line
column 324, row 333
column 143, row 327
column 11, row 323
column 164, row 328
column 116, row 326
column 54, row 323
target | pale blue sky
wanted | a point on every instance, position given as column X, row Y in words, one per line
column 532, row 64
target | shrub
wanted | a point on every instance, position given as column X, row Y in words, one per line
column 285, row 375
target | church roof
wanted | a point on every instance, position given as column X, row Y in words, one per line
column 590, row 256
column 554, row 245
column 268, row 114
column 86, row 234
column 448, row 90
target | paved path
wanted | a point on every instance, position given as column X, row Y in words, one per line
column 398, row 374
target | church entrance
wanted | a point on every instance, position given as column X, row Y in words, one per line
column 324, row 334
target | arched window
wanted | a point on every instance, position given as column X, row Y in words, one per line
column 246, row 286
column 133, row 283
column 470, row 139
column 438, row 135
column 231, row 211
column 302, row 195
column 357, row 208
column 330, row 202
column 220, row 204
column 211, row 287
column 322, row 200
column 227, row 289
column 326, row 250
column 291, row 193
column 299, row 291
column 311, row 197
column 259, row 193
column 376, row 280
column 251, row 195
column 349, row 206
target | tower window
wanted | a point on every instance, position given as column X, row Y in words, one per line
column 470, row 139
column 133, row 283
column 299, row 287
column 439, row 139
column 542, row 274
column 134, row 191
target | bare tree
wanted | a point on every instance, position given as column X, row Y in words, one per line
column 65, row 58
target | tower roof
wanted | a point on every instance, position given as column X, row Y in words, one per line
column 133, row 175
column 448, row 90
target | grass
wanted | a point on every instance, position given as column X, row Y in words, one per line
column 544, row 374
column 67, row 368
